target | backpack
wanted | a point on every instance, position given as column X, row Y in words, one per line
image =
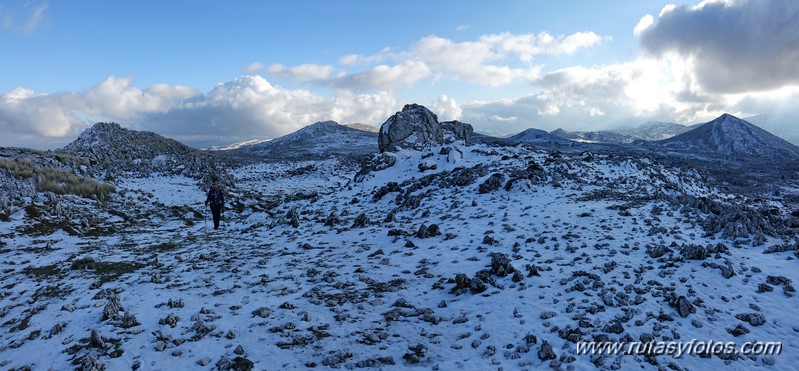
column 216, row 197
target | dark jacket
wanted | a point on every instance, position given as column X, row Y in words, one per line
column 215, row 198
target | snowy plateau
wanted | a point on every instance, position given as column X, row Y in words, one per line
column 438, row 253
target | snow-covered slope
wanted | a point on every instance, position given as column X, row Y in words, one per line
column 606, row 137
column 730, row 136
column 315, row 141
column 653, row 131
column 455, row 257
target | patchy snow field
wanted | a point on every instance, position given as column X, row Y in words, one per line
column 499, row 258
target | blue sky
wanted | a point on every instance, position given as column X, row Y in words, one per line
column 212, row 72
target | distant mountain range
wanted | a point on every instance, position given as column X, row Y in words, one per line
column 653, row 131
column 117, row 148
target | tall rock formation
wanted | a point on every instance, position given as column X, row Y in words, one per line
column 416, row 127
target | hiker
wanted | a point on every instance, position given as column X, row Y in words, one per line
column 217, row 201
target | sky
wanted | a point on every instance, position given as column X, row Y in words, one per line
column 213, row 72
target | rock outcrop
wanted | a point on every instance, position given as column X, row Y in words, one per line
column 416, row 127
column 113, row 149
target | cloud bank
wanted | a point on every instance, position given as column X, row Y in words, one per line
column 246, row 107
column 736, row 46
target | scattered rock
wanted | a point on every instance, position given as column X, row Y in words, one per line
column 546, row 352
column 754, row 319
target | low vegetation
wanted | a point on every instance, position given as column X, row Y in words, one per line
column 56, row 180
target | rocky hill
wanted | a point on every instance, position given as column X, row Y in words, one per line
column 113, row 150
column 732, row 138
column 316, row 141
column 538, row 136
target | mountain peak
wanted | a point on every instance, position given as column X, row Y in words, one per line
column 318, row 140
column 733, row 137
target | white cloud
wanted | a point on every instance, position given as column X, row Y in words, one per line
column 303, row 73
column 645, row 22
column 447, row 109
column 254, row 67
column 491, row 60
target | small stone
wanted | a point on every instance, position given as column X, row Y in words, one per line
column 548, row 315
column 239, row 350
column 546, row 352
column 242, row 364
column 204, row 361
column 68, row 307
column 160, row 346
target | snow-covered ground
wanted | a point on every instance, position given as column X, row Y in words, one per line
column 312, row 269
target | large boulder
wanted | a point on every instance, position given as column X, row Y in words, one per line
column 416, row 127
column 413, row 127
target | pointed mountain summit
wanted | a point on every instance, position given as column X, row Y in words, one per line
column 315, row 141
column 734, row 138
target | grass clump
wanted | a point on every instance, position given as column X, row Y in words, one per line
column 56, row 180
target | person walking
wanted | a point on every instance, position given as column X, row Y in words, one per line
column 217, row 200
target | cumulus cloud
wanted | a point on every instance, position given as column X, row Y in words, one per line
column 384, row 76
column 447, row 109
column 735, row 46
